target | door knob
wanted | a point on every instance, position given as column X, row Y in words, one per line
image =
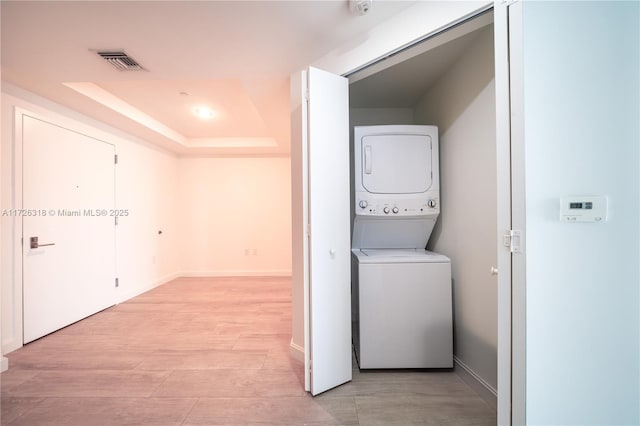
column 33, row 241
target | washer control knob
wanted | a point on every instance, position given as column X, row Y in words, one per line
column 363, row 204
column 395, row 210
column 386, row 210
column 431, row 203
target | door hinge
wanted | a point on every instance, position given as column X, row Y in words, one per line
column 308, row 230
column 115, row 159
column 513, row 240
column 306, row 95
column 116, row 220
column 117, row 282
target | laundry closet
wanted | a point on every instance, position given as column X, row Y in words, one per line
column 448, row 81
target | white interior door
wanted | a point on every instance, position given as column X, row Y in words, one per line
column 328, row 354
column 68, row 202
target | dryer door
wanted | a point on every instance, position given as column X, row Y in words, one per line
column 396, row 163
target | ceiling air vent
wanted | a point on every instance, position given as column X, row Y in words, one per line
column 120, row 60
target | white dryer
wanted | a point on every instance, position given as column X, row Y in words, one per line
column 401, row 303
column 397, row 186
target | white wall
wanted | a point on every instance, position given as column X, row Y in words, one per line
column 379, row 116
column 235, row 216
column 147, row 185
column 462, row 104
column 582, row 107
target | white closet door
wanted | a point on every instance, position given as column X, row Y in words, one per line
column 329, row 242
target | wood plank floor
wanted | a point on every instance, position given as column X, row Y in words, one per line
column 210, row 351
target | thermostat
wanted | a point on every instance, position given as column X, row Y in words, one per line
column 583, row 209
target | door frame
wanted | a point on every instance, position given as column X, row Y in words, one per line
column 510, row 141
column 98, row 296
column 504, row 207
column 15, row 297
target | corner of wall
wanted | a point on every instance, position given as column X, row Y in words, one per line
column 475, row 382
column 296, row 351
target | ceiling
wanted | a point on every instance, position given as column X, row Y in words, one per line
column 404, row 84
column 233, row 56
column 402, row 79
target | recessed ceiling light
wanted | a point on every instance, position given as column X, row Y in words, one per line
column 204, row 112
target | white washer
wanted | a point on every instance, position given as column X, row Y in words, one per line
column 402, row 308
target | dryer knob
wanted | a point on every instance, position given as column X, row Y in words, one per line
column 363, row 204
column 386, row 210
column 431, row 203
column 395, row 210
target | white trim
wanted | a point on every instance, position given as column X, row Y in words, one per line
column 305, row 232
column 518, row 219
column 296, row 351
column 236, row 273
column 12, row 344
column 487, row 392
column 156, row 283
column 503, row 209
column 16, row 340
column 50, row 111
column 109, row 100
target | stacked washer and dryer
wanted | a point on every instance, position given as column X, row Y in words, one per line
column 401, row 293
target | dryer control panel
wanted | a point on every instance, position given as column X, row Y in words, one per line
column 367, row 206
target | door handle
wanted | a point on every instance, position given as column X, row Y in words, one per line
column 367, row 159
column 33, row 241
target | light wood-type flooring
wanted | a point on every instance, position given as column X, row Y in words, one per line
column 210, row 351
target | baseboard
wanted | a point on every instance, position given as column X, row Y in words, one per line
column 166, row 279
column 236, row 273
column 481, row 387
column 5, row 364
column 297, row 352
column 138, row 291
column 201, row 274
column 11, row 345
